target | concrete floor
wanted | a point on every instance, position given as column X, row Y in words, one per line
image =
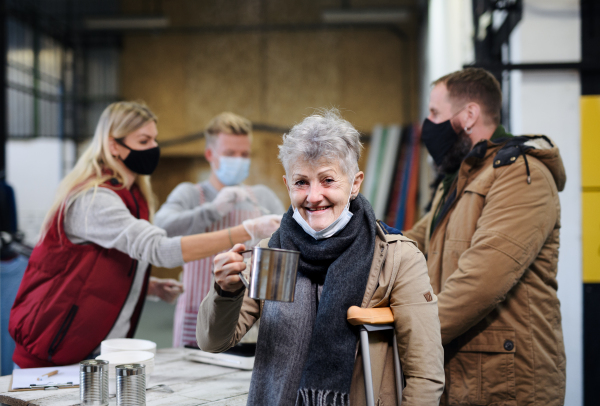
column 156, row 323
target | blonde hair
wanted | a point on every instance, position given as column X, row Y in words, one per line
column 96, row 165
column 227, row 123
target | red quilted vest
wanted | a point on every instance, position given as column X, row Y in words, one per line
column 71, row 294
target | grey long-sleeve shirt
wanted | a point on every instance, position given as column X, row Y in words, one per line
column 101, row 217
column 182, row 213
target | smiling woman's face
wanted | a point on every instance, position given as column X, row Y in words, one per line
column 320, row 192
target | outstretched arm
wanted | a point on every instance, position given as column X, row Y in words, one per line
column 102, row 218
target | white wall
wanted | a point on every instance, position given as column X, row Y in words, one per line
column 448, row 44
column 34, row 169
column 548, row 103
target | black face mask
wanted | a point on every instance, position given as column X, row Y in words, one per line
column 438, row 138
column 142, row 162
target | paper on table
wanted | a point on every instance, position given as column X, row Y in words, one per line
column 23, row 378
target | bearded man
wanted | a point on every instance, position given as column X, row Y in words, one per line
column 491, row 241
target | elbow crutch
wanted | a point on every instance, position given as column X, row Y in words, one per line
column 375, row 319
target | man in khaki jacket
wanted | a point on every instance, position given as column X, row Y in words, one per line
column 491, row 239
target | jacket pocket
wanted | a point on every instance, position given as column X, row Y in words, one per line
column 482, row 372
column 62, row 331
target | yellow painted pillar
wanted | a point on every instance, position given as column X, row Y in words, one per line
column 590, row 181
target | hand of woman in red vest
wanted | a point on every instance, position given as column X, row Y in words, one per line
column 166, row 289
column 198, row 246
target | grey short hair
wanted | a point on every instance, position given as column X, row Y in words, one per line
column 322, row 136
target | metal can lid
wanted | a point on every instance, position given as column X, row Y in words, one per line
column 130, row 369
column 93, row 365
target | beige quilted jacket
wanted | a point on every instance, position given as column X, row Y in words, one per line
column 398, row 279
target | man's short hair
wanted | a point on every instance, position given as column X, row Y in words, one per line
column 227, row 123
column 475, row 85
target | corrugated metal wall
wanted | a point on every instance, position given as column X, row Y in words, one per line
column 59, row 79
column 36, row 83
column 57, row 82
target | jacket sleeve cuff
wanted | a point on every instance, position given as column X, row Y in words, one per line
column 224, row 293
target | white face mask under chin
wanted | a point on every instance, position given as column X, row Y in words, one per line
column 338, row 224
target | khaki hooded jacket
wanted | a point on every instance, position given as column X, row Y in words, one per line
column 398, row 279
column 492, row 261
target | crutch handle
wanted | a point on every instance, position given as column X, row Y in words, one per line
column 381, row 315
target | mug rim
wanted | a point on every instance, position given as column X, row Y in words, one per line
column 275, row 249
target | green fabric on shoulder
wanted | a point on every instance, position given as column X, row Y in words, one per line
column 500, row 133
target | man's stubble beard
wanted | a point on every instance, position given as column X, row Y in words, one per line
column 457, row 154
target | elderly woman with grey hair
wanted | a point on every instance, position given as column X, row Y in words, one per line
column 306, row 350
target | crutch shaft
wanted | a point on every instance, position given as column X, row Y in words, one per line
column 397, row 370
column 366, row 356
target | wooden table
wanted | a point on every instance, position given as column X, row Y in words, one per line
column 193, row 383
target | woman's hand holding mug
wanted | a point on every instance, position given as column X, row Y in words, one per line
column 228, row 266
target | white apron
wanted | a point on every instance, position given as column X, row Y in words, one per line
column 198, row 276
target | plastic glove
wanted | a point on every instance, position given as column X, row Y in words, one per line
column 228, row 197
column 166, row 289
column 262, row 227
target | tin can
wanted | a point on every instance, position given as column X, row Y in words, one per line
column 93, row 382
column 131, row 385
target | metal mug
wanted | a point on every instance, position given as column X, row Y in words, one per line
column 272, row 274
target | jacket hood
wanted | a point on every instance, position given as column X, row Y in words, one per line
column 540, row 147
column 546, row 151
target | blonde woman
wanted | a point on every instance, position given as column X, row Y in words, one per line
column 88, row 276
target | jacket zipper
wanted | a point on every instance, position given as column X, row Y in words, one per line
column 133, row 266
column 456, row 198
column 372, row 293
column 137, row 209
column 62, row 331
column 137, row 206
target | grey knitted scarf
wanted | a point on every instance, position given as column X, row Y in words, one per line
column 306, row 349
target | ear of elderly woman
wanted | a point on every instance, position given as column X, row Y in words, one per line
column 306, row 350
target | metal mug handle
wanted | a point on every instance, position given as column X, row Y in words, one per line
column 242, row 277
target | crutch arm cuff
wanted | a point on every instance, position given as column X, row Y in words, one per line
column 358, row 316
